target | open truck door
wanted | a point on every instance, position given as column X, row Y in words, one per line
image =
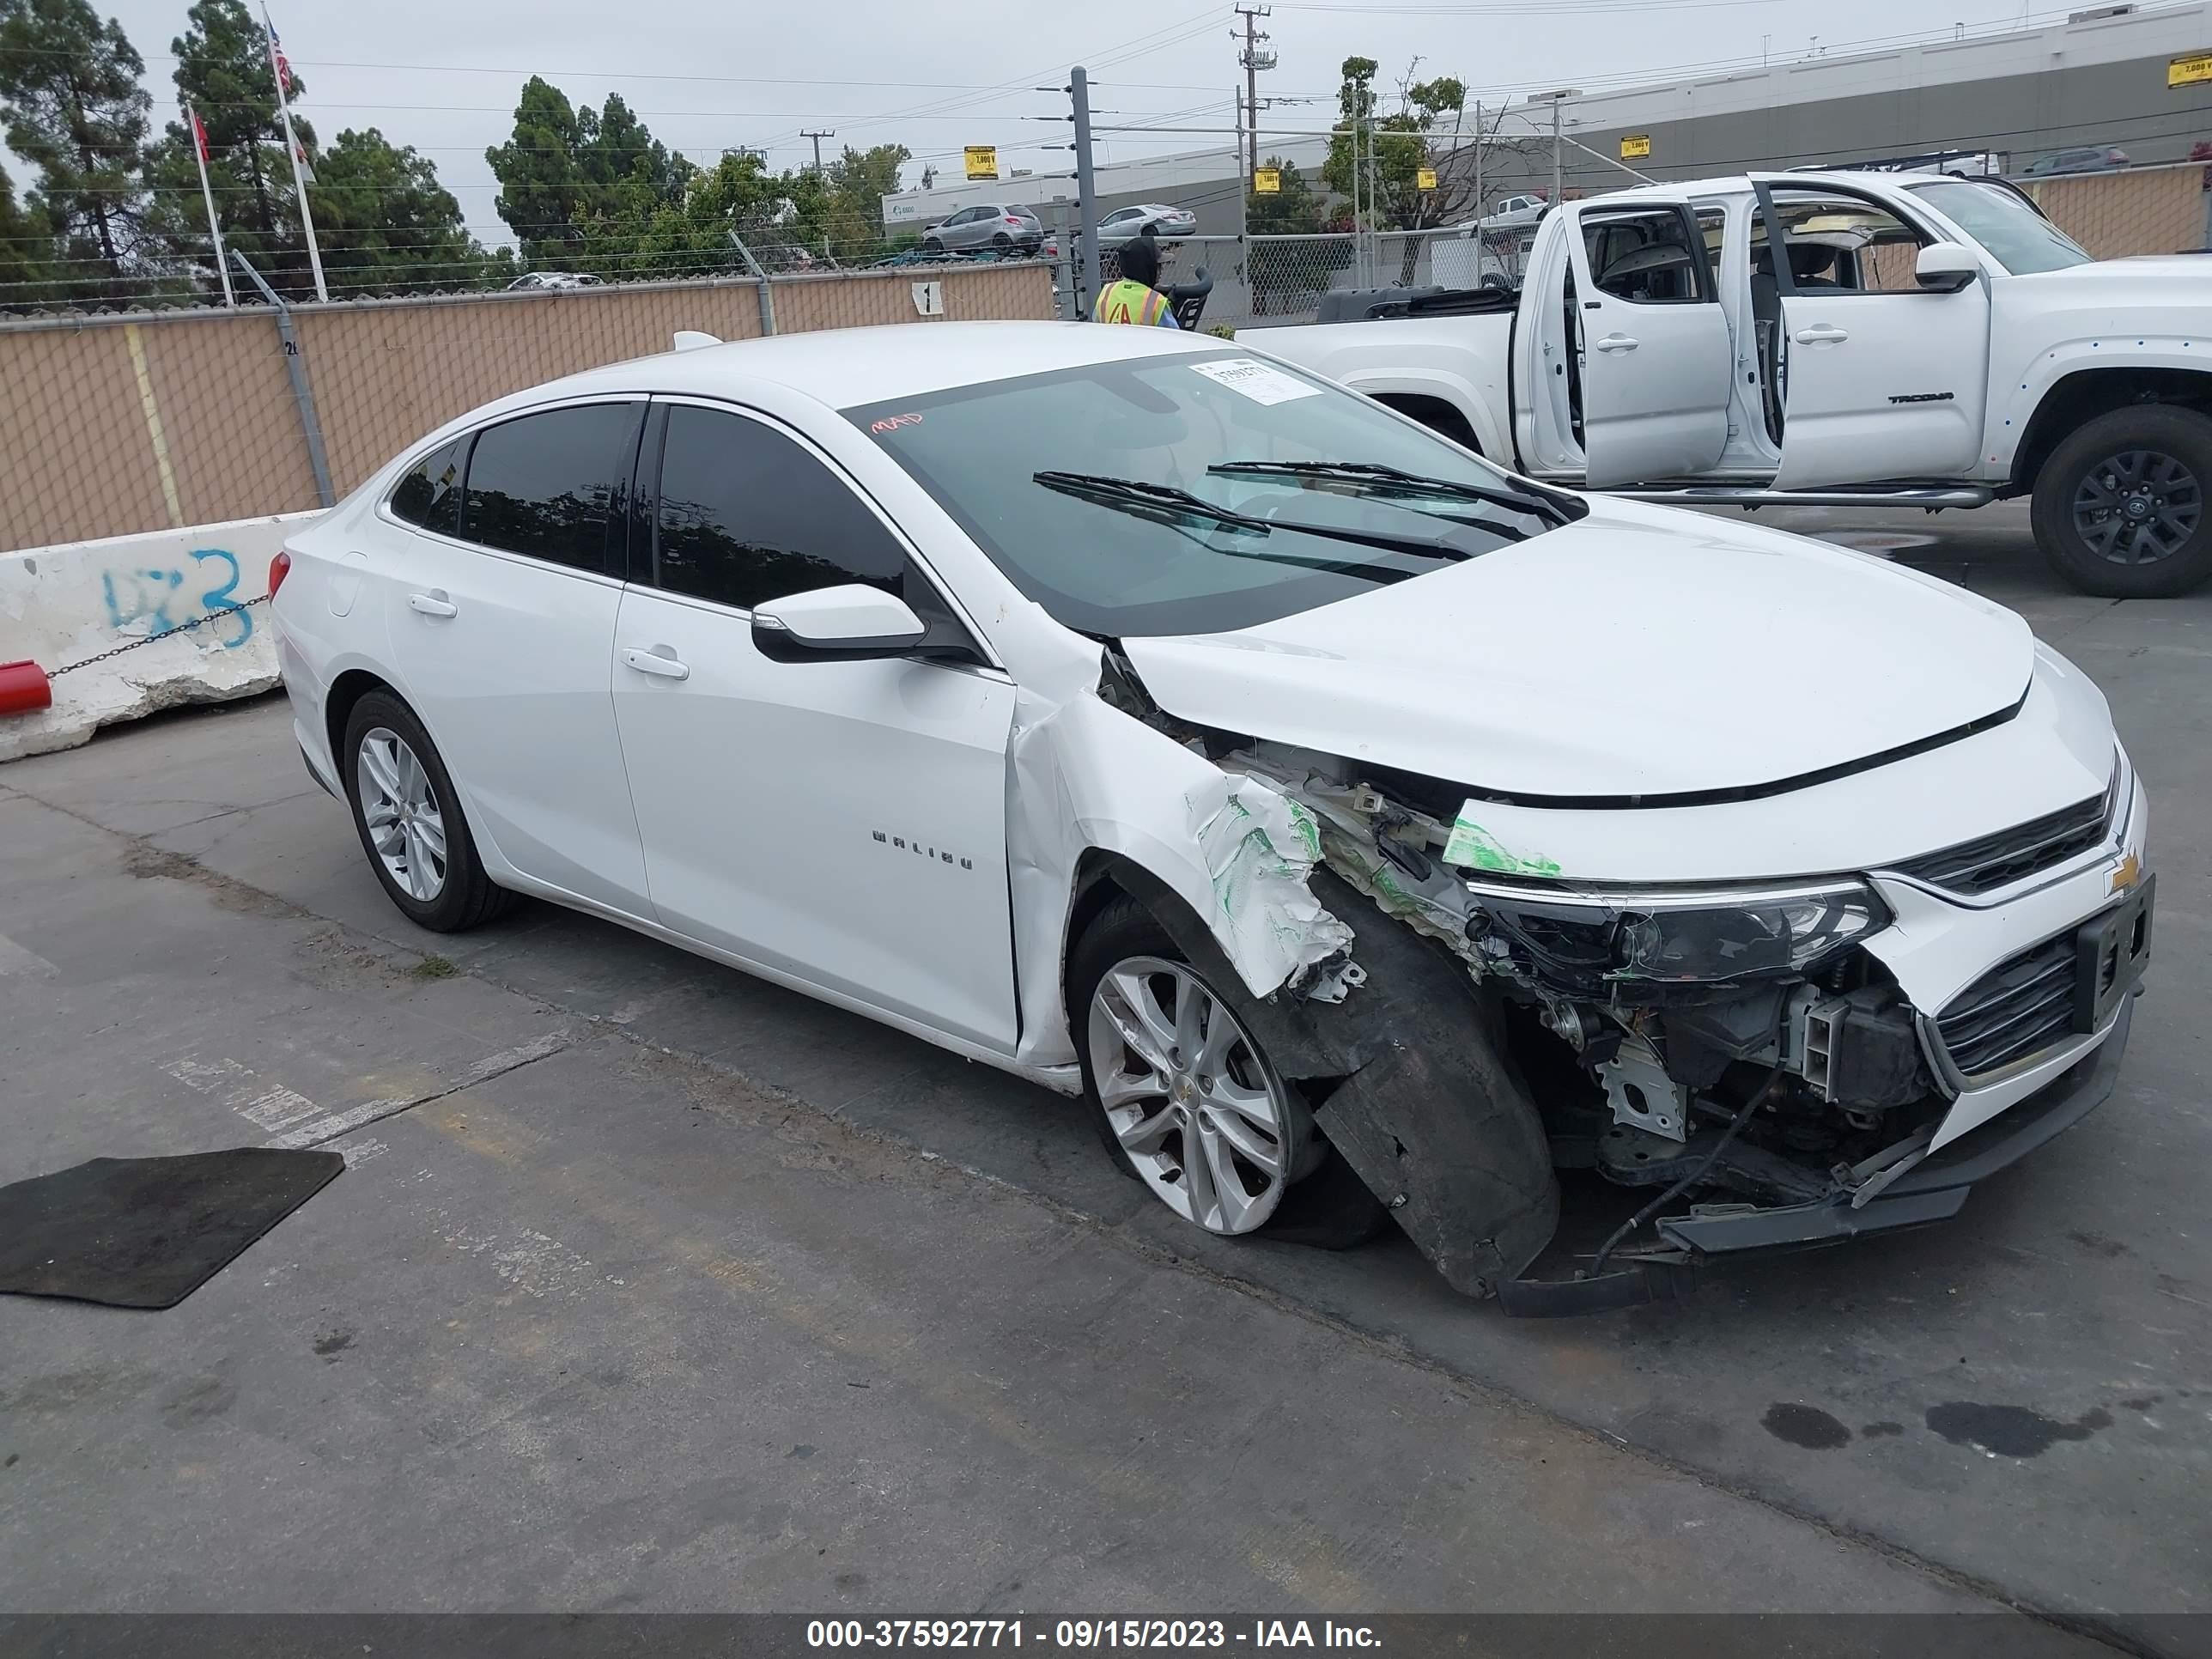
column 1645, row 347
column 1874, row 334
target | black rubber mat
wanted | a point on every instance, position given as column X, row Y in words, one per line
column 146, row 1233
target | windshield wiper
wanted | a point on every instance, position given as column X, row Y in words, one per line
column 1169, row 504
column 1377, row 478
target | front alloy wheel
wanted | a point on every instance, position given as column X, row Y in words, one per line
column 1195, row 1109
column 399, row 808
column 2120, row 504
column 2137, row 506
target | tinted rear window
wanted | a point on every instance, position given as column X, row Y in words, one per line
column 430, row 495
column 544, row 484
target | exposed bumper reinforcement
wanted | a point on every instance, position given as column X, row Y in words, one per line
column 1934, row 1189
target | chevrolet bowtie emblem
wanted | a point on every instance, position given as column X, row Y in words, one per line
column 2127, row 873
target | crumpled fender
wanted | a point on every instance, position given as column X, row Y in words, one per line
column 1085, row 780
column 1416, row 1090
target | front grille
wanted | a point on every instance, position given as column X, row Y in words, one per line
column 2019, row 1007
column 1989, row 862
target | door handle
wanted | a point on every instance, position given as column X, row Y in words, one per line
column 660, row 660
column 433, row 604
column 1617, row 342
column 1820, row 334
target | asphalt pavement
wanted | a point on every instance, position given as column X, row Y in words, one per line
column 652, row 1286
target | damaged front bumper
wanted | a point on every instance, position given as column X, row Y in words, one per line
column 1934, row 1188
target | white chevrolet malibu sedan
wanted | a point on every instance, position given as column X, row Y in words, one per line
column 1366, row 833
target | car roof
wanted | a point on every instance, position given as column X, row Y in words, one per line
column 847, row 368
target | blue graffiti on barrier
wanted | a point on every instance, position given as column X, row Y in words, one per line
column 144, row 595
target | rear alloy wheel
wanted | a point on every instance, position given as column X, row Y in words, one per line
column 2120, row 507
column 399, row 809
column 1189, row 1104
column 409, row 816
column 1003, row 242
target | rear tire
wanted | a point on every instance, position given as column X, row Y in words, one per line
column 1003, row 242
column 398, row 787
column 2120, row 509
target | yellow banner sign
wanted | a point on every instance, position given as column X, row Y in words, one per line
column 1267, row 181
column 982, row 160
column 1425, row 179
column 2189, row 71
column 1635, row 146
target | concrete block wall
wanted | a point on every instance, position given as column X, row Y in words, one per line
column 182, row 599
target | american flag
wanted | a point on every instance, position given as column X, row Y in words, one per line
column 277, row 58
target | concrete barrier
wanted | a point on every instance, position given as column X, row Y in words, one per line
column 182, row 599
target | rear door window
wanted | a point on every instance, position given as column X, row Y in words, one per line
column 430, row 495
column 547, row 485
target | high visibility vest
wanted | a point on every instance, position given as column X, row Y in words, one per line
column 1125, row 301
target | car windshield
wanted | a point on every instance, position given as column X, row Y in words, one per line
column 1125, row 534
column 2017, row 237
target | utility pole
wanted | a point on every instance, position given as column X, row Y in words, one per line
column 1253, row 61
column 1086, row 199
column 817, row 137
column 1478, row 178
column 1559, row 155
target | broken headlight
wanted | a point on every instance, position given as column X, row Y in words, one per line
column 1684, row 936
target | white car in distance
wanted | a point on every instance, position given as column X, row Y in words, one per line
column 1366, row 832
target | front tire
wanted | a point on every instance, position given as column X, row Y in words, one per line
column 2119, row 507
column 931, row 246
column 1244, row 1155
column 409, row 818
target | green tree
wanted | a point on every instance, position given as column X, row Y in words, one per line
column 223, row 67
column 25, row 252
column 541, row 182
column 386, row 226
column 578, row 186
column 1391, row 150
column 1281, row 275
column 860, row 179
column 75, row 110
column 1294, row 209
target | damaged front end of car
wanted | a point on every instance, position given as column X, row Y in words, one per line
column 1742, row 1054
column 1648, row 1022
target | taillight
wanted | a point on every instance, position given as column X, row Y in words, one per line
column 1012, row 220
column 279, row 568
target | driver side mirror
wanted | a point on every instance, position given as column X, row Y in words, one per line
column 850, row 624
column 1945, row 268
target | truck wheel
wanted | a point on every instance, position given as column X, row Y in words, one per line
column 2119, row 506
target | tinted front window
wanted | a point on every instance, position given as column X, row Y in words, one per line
column 746, row 515
column 1165, row 421
column 2018, row 237
column 544, row 484
column 430, row 495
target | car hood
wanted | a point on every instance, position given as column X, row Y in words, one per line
column 1640, row 652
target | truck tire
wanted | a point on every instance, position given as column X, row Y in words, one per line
column 2119, row 507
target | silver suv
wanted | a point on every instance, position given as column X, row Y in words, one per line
column 1001, row 225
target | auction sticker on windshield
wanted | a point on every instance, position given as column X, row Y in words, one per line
column 1256, row 380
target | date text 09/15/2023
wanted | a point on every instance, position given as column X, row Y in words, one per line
column 1087, row 1633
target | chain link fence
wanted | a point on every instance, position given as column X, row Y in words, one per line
column 115, row 425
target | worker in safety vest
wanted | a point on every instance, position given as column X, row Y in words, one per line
column 1135, row 298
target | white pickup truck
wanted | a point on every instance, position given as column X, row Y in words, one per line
column 1923, row 340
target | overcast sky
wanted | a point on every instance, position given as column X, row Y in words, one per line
column 442, row 75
